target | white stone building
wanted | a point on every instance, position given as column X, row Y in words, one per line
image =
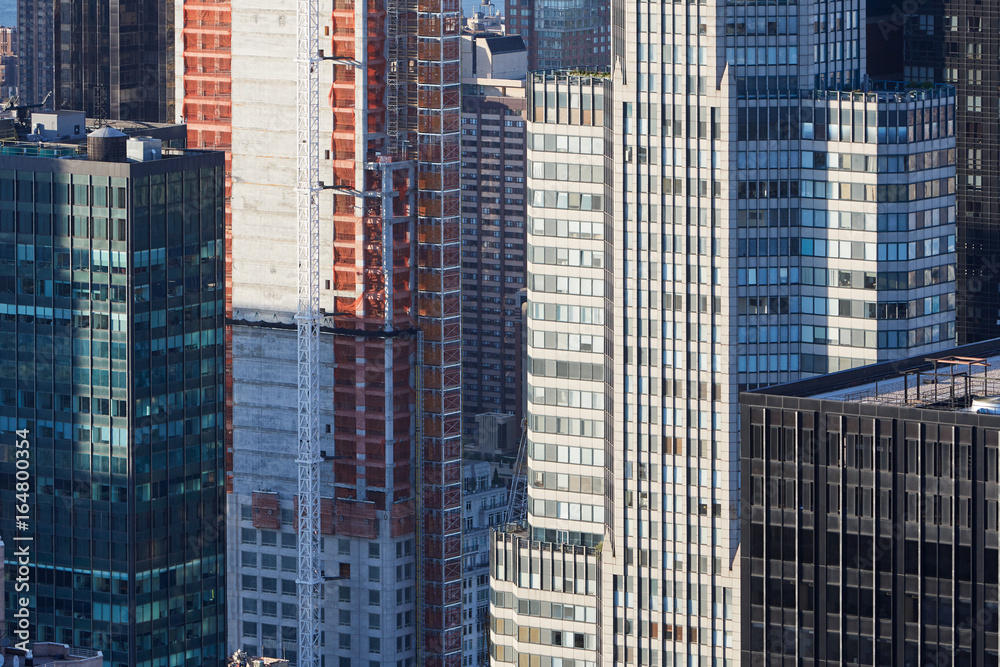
column 769, row 214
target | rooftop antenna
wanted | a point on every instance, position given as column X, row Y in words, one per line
column 100, row 106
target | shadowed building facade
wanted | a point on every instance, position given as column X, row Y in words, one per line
column 958, row 43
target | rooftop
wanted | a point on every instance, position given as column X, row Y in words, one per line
column 57, row 655
column 70, row 151
column 964, row 378
column 507, row 44
column 566, row 73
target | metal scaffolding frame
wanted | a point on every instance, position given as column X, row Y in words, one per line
column 307, row 320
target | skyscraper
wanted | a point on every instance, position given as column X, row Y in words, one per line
column 391, row 290
column 870, row 532
column 770, row 213
column 111, row 60
column 111, row 327
column 203, row 70
column 35, row 49
column 493, row 170
column 957, row 42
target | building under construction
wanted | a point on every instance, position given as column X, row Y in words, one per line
column 204, row 54
column 390, row 348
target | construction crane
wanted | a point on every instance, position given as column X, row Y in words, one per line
column 307, row 318
column 20, row 115
column 517, row 504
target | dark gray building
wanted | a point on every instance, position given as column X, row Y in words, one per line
column 958, row 42
column 869, row 516
column 111, row 339
column 35, row 49
column 109, row 59
column 493, row 227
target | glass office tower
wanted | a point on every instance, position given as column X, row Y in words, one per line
column 770, row 214
column 116, row 59
column 111, row 316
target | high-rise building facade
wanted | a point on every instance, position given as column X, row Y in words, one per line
column 484, row 494
column 8, row 62
column 391, row 290
column 111, row 295
column 561, row 33
column 870, row 532
column 769, row 213
column 493, row 170
column 8, row 40
column 203, row 88
column 35, row 49
column 957, row 42
column 111, row 60
column 545, row 581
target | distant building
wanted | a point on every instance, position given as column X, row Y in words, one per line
column 870, row 514
column 35, row 49
column 562, row 34
column 111, row 310
column 955, row 42
column 8, row 41
column 8, row 62
column 496, row 434
column 493, row 226
column 110, row 61
column 485, row 497
column 486, row 19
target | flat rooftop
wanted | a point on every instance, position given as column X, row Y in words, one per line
column 948, row 380
column 75, row 151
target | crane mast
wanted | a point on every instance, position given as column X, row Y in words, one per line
column 307, row 318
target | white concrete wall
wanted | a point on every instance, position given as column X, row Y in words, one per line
column 264, row 172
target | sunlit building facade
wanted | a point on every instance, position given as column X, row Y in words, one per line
column 769, row 214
